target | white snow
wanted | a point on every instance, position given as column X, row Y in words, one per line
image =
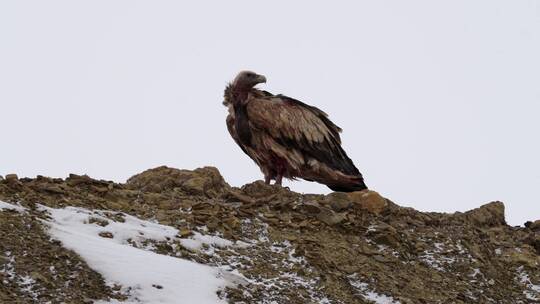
column 140, row 271
column 369, row 294
column 132, row 228
column 438, row 258
column 26, row 283
column 476, row 271
column 8, row 206
column 533, row 291
column 197, row 241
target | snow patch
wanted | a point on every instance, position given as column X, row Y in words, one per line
column 476, row 271
column 444, row 254
column 8, row 206
column 149, row 277
column 25, row 283
column 533, row 290
column 198, row 241
column 369, row 294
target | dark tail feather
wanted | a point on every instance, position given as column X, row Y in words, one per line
column 356, row 185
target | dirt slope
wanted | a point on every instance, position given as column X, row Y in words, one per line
column 294, row 248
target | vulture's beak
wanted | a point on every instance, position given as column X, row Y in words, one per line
column 261, row 79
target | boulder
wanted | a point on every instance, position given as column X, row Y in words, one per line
column 487, row 215
column 205, row 181
column 12, row 180
column 338, row 201
column 535, row 226
column 329, row 217
column 258, row 189
column 12, row 177
column 368, row 200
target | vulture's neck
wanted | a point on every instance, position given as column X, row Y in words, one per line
column 236, row 95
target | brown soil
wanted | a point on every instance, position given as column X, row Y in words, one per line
column 336, row 248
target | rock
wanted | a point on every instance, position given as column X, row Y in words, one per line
column 184, row 232
column 535, row 226
column 491, row 214
column 106, row 234
column 384, row 234
column 74, row 179
column 380, row 258
column 12, row 177
column 523, row 257
column 195, row 185
column 333, row 242
column 260, row 189
column 311, row 207
column 534, row 241
column 338, row 201
column 368, row 200
column 202, row 181
column 1, row 178
column 13, row 181
column 40, row 278
column 329, row 217
column 167, row 205
column 98, row 221
column 51, row 188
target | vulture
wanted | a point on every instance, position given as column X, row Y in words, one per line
column 286, row 137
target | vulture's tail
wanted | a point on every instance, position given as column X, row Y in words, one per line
column 356, row 184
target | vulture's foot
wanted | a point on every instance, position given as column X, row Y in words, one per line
column 279, row 178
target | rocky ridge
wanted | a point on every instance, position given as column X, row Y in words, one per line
column 290, row 248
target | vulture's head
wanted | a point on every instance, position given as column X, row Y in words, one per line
column 246, row 80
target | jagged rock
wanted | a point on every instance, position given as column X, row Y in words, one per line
column 384, row 234
column 48, row 187
column 329, row 217
column 202, row 181
column 258, row 188
column 74, row 179
column 524, row 257
column 98, row 221
column 338, row 201
column 491, row 214
column 12, row 180
column 185, row 232
column 30, row 252
column 106, row 234
column 12, row 177
column 535, row 243
column 299, row 248
column 311, row 207
column 533, row 225
column 368, row 200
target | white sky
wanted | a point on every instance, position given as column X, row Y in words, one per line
column 439, row 100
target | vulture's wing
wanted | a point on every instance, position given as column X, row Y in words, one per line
column 297, row 125
column 232, row 130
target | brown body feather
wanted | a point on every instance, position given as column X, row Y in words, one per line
column 288, row 138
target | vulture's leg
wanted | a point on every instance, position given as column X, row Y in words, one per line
column 280, row 170
column 267, row 179
column 279, row 177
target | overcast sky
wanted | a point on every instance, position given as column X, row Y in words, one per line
column 439, row 100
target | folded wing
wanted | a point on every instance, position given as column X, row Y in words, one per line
column 301, row 127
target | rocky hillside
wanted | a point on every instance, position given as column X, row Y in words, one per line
column 270, row 244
